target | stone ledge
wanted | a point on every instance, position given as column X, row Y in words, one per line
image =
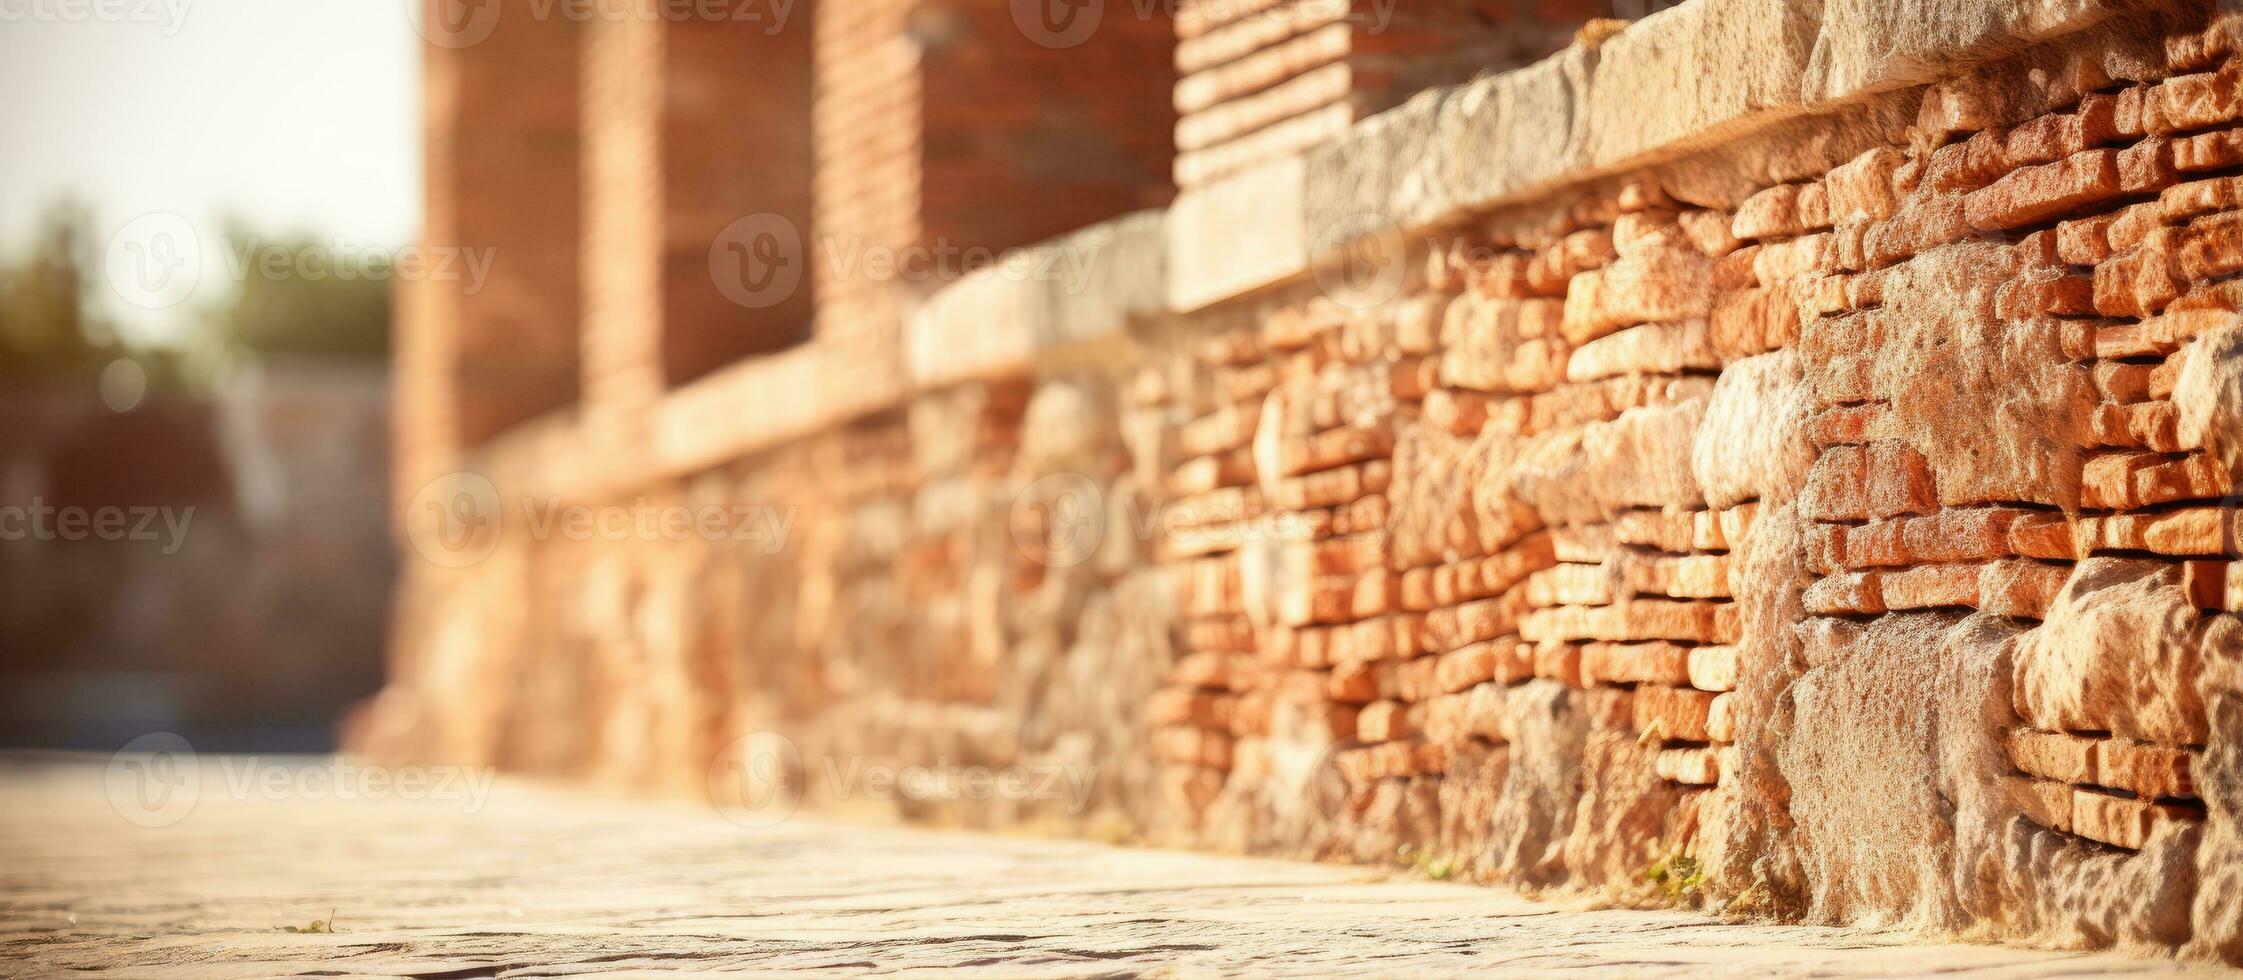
column 735, row 412
column 1237, row 235
column 758, row 404
column 1069, row 291
column 1669, row 85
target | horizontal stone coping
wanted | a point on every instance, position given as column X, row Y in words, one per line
column 1671, row 84
column 1674, row 83
column 1071, row 290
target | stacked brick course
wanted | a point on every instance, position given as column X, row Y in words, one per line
column 1265, row 79
column 1831, row 521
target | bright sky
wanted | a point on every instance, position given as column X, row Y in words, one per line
column 297, row 115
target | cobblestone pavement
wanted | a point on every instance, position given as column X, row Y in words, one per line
column 539, row 881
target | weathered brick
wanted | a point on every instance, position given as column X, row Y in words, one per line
column 1846, row 593
column 2032, row 195
column 1769, row 214
column 1929, row 587
column 1583, row 585
column 1721, row 718
column 1899, row 480
column 1861, row 190
column 2208, row 151
column 2123, row 479
column 1639, row 619
column 1636, row 663
column 1696, row 767
column 1687, row 577
column 1949, row 536
column 2020, row 588
column 2121, row 822
column 2146, row 769
column 2044, row 802
column 2084, row 241
column 1713, row 668
column 2189, row 102
column 2142, row 281
column 1838, row 486
column 1194, row 746
column 1559, row 662
column 1385, row 721
column 1674, row 714
column 1752, row 321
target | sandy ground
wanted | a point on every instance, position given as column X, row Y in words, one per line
column 521, row 879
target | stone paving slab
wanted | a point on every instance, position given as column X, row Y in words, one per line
column 542, row 881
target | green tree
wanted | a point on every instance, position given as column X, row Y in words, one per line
column 318, row 301
column 48, row 323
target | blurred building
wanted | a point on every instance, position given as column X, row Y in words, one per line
column 240, row 596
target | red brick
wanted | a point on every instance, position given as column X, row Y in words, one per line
column 2033, row 195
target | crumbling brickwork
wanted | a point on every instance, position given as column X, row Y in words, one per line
column 1833, row 520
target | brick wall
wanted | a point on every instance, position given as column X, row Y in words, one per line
column 736, row 147
column 1092, row 143
column 502, row 161
column 1266, row 79
column 1809, row 500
